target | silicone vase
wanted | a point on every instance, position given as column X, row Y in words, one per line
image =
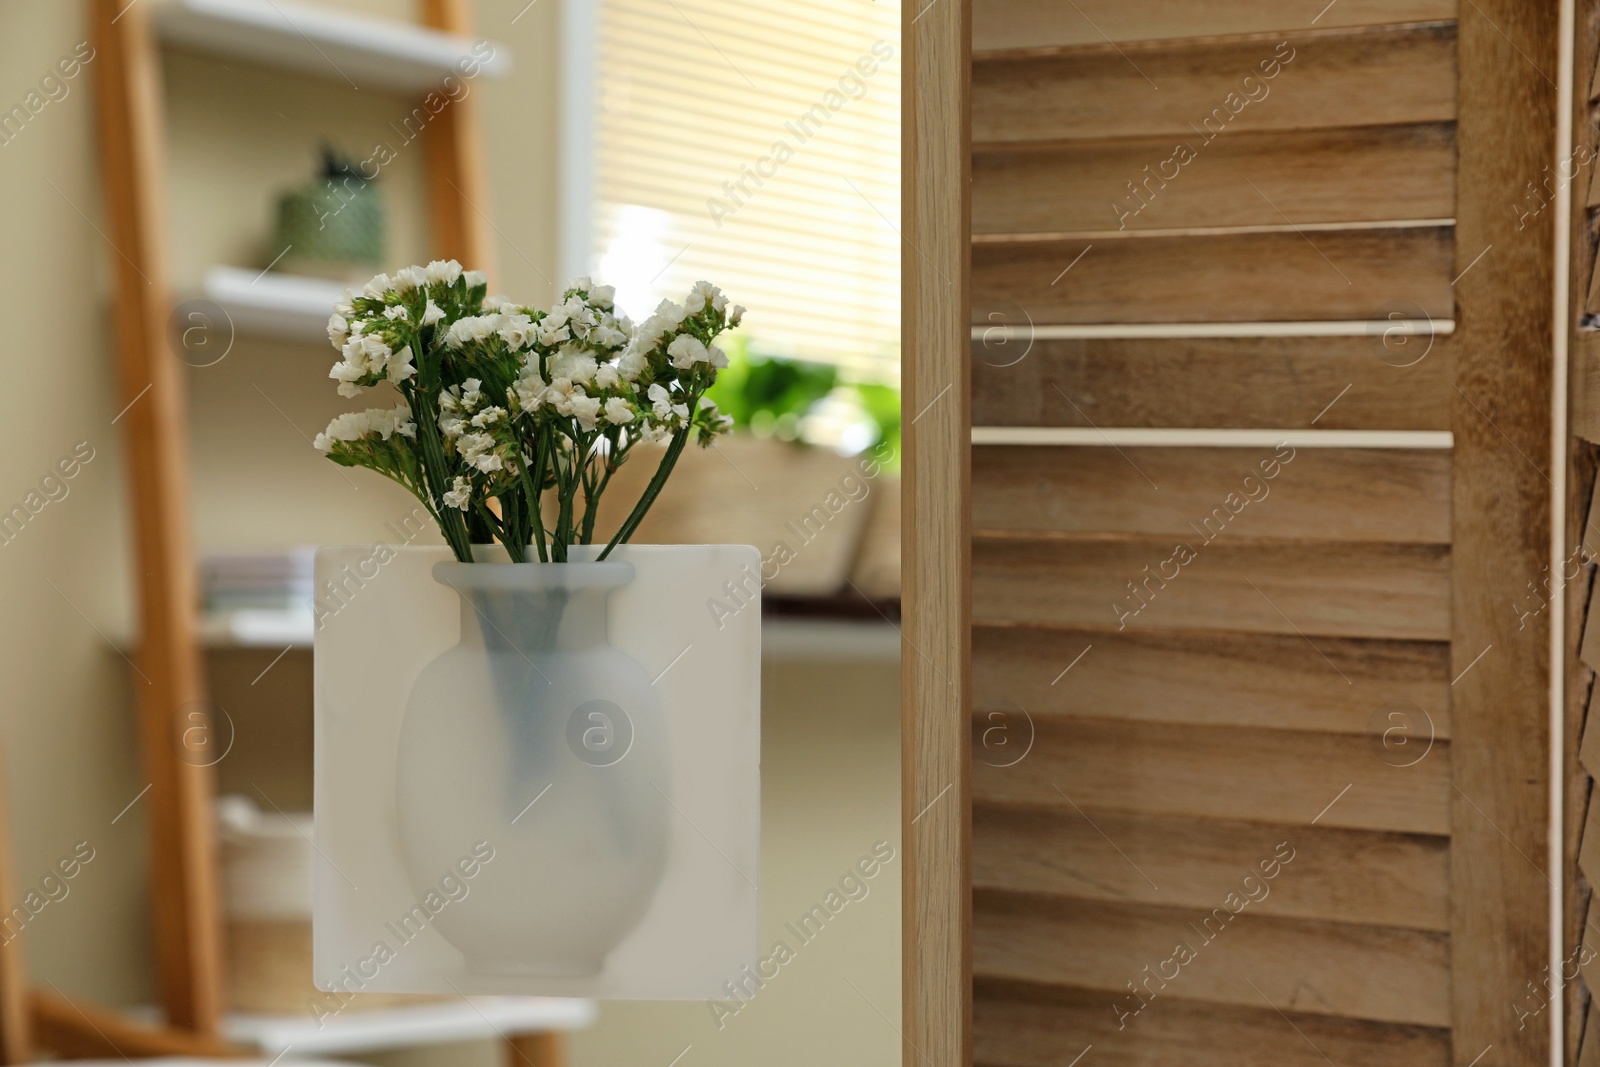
column 536, row 736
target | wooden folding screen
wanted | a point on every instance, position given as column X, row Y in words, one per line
column 1572, row 587
column 1261, row 357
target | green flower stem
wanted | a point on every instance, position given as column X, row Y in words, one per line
column 451, row 521
column 532, row 493
column 591, row 502
column 651, row 491
column 574, row 478
column 511, row 531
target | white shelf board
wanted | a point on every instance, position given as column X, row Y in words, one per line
column 275, row 628
column 277, row 305
column 782, row 639
column 785, row 640
column 1152, row 437
column 365, row 52
column 1000, row 332
column 367, row 1030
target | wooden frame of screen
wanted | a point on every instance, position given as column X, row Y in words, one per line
column 936, row 808
column 1502, row 510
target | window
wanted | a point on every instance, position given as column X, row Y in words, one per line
column 756, row 145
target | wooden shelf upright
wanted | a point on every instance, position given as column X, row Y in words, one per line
column 185, row 895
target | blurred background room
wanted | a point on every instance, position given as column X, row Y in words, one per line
column 301, row 146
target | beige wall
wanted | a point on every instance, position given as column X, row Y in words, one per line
column 65, row 714
column 238, row 135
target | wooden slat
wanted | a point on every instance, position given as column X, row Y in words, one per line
column 1016, row 1025
column 1500, row 709
column 1590, row 970
column 1213, row 772
column 1589, row 649
column 1589, row 848
column 1383, row 974
column 1242, row 382
column 1315, row 494
column 1589, row 754
column 936, row 751
column 1348, row 77
column 1334, row 875
column 1585, row 397
column 1588, row 512
column 1286, row 276
column 999, row 25
column 1578, row 1010
column 1335, row 589
column 187, row 934
column 1261, row 680
column 1345, row 175
column 1589, row 1050
column 77, row 1030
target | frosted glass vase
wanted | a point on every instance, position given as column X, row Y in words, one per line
column 537, row 737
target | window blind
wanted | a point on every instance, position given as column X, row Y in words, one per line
column 757, row 146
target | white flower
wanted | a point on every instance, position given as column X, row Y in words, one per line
column 377, row 351
column 719, row 359
column 661, row 401
column 460, row 494
column 472, row 328
column 607, row 378
column 736, row 316
column 432, row 313
column 475, row 278
column 488, row 417
column 607, row 336
column 366, row 354
column 442, row 272
column 529, row 387
column 348, row 377
column 408, row 279
column 576, row 366
column 401, row 367
column 516, row 331
column 631, row 364
column 686, row 351
column 586, row 409
column 570, row 400
column 355, row 425
column 580, row 318
column 377, row 286
column 478, row 449
column 603, row 296
column 652, row 432
column 618, row 411
column 672, row 315
column 338, row 330
column 396, row 311
column 702, row 294
column 471, row 393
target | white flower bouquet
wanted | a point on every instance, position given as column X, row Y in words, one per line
column 502, row 403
